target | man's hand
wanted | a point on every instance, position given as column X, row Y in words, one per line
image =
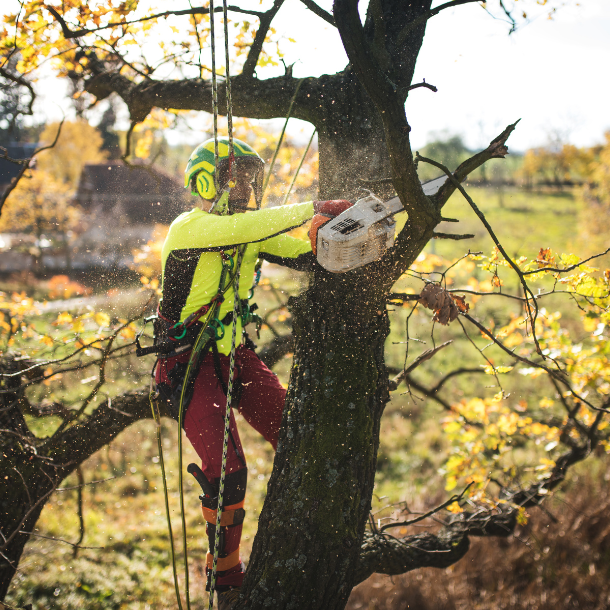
column 331, row 208
column 325, row 211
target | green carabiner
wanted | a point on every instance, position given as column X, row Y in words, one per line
column 218, row 326
column 178, row 337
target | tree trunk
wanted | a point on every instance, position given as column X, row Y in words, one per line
column 319, row 495
column 351, row 140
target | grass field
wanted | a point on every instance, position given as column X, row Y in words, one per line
column 127, row 563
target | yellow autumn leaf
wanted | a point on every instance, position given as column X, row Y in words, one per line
column 63, row 318
column 128, row 333
column 46, row 340
column 102, row 319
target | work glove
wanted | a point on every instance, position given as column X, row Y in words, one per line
column 324, row 212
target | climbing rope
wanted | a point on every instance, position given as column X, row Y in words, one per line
column 228, row 88
column 294, row 178
column 157, row 417
column 279, row 142
column 225, row 444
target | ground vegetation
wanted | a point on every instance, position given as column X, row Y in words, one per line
column 316, row 538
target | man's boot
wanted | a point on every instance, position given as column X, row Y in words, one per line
column 230, row 569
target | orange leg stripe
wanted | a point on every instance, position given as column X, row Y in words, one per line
column 227, row 517
column 224, row 563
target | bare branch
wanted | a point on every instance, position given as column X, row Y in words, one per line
column 68, row 33
column 84, row 484
column 393, row 383
column 497, row 149
column 74, row 544
column 453, row 236
column 431, row 13
column 15, row 180
column 451, row 500
column 499, row 146
column 257, row 45
column 423, row 84
column 319, row 11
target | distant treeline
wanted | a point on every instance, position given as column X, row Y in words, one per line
column 558, row 165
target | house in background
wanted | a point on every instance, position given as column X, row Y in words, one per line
column 121, row 205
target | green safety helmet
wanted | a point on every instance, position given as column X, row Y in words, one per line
column 200, row 171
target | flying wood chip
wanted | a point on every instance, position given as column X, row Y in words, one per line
column 435, row 297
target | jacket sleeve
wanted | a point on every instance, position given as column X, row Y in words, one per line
column 289, row 252
column 199, row 229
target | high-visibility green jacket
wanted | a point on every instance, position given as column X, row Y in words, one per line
column 192, row 263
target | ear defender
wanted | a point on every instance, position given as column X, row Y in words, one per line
column 205, row 185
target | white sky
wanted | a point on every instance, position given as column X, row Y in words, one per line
column 554, row 75
column 551, row 74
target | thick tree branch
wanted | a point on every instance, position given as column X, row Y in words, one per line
column 388, row 555
column 81, row 440
column 385, row 554
column 389, row 102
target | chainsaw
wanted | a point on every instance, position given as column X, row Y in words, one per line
column 364, row 232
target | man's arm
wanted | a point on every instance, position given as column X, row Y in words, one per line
column 205, row 231
column 289, row 252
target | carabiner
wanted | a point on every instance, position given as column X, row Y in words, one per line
column 218, row 327
column 178, row 337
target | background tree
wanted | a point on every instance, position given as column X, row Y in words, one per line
column 311, row 546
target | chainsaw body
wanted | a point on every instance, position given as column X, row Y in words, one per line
column 358, row 236
column 363, row 233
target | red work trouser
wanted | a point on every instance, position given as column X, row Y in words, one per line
column 261, row 402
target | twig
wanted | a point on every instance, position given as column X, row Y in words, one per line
column 85, row 484
column 393, row 383
column 22, row 171
column 453, row 236
column 566, row 269
column 424, row 84
column 61, row 540
column 68, row 33
column 452, row 499
column 526, row 289
column 79, row 505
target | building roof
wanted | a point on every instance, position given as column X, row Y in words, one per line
column 145, row 194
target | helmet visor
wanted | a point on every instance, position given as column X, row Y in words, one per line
column 247, row 172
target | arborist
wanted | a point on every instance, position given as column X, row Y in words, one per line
column 199, row 257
